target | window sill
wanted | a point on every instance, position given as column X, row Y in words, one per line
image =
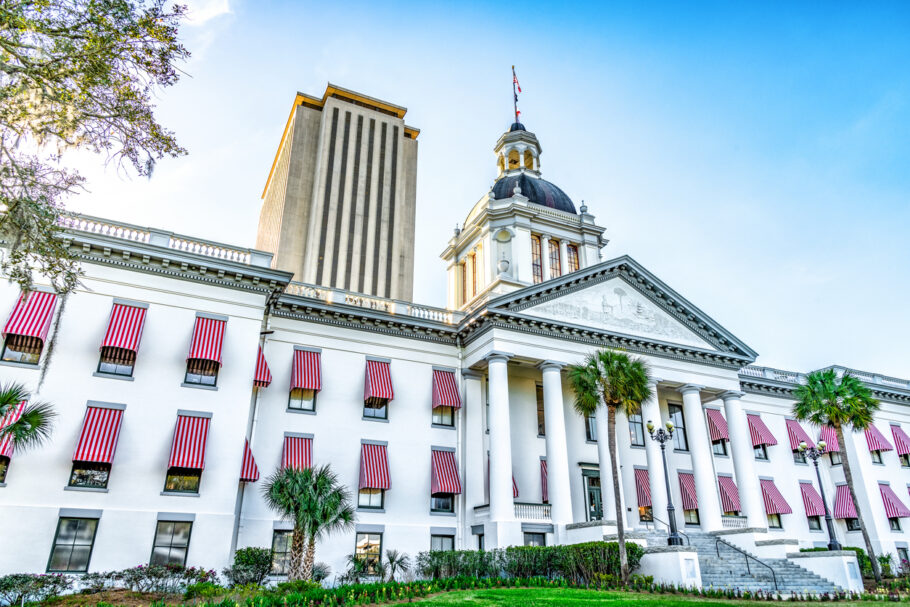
column 9, row 363
column 437, row 513
column 775, row 529
column 180, row 494
column 680, row 450
column 637, row 447
column 539, row 435
column 722, row 455
column 198, row 386
column 86, row 489
column 443, row 426
column 300, row 411
column 377, row 510
column 800, row 463
column 383, row 420
column 816, row 531
column 591, row 442
column 3, row 484
column 113, row 376
column 878, row 463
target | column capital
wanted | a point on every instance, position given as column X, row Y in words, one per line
column 471, row 374
column 654, row 381
column 690, row 388
column 548, row 365
column 731, row 394
column 498, row 356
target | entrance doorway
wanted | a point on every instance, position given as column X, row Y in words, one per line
column 593, row 498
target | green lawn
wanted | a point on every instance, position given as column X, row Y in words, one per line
column 544, row 597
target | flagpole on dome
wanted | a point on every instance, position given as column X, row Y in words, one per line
column 516, row 88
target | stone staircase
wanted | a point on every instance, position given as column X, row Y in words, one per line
column 730, row 570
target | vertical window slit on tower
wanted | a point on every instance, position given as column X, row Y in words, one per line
column 379, row 205
column 326, row 201
column 391, row 231
column 364, row 229
column 339, row 210
column 349, row 260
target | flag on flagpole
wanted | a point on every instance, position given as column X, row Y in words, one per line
column 515, row 79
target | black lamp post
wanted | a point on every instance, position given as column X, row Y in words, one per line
column 663, row 437
column 814, row 453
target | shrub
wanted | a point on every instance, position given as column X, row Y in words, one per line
column 166, row 579
column 202, row 590
column 26, row 587
column 251, row 566
column 321, row 571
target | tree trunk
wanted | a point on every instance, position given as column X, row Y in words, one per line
column 309, row 558
column 298, row 542
column 848, row 476
column 620, row 530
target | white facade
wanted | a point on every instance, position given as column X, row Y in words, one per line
column 513, row 336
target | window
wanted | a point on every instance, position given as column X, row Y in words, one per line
column 761, row 452
column 73, row 543
column 535, row 539
column 442, row 542
column 835, row 458
column 183, row 480
column 774, row 521
column 680, row 441
column 719, row 447
column 572, row 258
column 302, row 399
column 464, row 283
column 815, row 523
column 691, row 517
column 905, row 460
column 91, row 475
column 536, row 266
column 442, row 502
column 645, row 514
column 555, row 266
column 480, row 541
column 202, row 372
column 368, row 548
column 636, row 430
column 895, row 524
column 172, row 538
column 876, row 457
column 852, row 524
column 22, row 349
column 281, row 551
column 117, row 361
column 904, row 558
column 376, row 408
column 473, row 274
column 591, row 428
column 443, row 416
column 541, row 420
column 799, row 457
column 4, row 468
column 371, row 498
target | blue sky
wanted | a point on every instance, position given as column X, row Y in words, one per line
column 754, row 156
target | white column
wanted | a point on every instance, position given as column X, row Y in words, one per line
column 744, row 460
column 501, row 501
column 563, row 258
column 607, row 497
column 650, row 412
column 472, row 452
column 557, row 452
column 545, row 256
column 702, row 458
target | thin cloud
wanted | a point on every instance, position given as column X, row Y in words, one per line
column 199, row 12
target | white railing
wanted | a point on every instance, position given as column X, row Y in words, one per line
column 537, row 512
column 793, row 377
column 752, row 371
column 200, row 247
column 437, row 314
column 106, row 228
column 730, row 521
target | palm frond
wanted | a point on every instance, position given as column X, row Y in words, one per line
column 33, row 427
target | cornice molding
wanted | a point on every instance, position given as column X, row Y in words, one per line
column 770, row 387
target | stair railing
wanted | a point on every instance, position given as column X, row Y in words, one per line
column 748, row 556
column 667, row 525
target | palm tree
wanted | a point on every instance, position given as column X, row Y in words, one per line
column 396, row 561
column 619, row 381
column 848, row 403
column 32, row 427
column 316, row 503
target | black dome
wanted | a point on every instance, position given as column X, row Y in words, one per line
column 536, row 190
column 517, row 126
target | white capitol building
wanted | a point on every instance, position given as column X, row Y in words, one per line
column 185, row 371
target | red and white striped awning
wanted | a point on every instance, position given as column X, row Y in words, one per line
column 717, row 425
column 445, row 389
column 729, row 494
column 759, row 431
column 544, row 489
column 306, row 373
column 643, row 487
column 6, row 441
column 445, row 473
column 514, row 487
column 901, row 440
column 774, row 501
column 894, row 507
column 32, row 315
column 378, row 382
column 374, row 466
column 687, row 491
column 843, row 503
column 124, row 329
column 876, row 440
column 797, row 435
column 100, row 431
column 297, row 452
column 812, row 501
column 188, row 448
column 263, row 375
column 208, row 338
column 249, row 471
column 829, row 435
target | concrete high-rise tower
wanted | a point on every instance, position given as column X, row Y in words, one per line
column 338, row 206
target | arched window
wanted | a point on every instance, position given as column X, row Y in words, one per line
column 555, row 266
column 514, row 160
column 536, row 263
column 501, row 163
column 572, row 258
column 529, row 160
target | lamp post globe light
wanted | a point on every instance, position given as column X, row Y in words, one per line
column 663, row 437
column 814, row 453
